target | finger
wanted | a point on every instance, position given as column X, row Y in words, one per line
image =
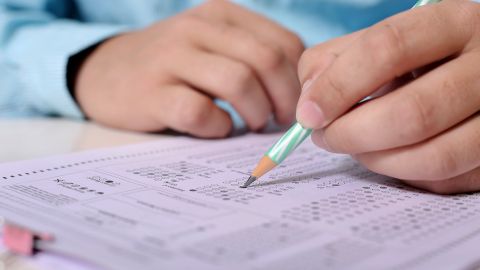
column 448, row 155
column 468, row 182
column 187, row 110
column 269, row 64
column 262, row 27
column 317, row 59
column 226, row 79
column 386, row 51
column 417, row 111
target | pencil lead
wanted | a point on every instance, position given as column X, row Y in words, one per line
column 250, row 180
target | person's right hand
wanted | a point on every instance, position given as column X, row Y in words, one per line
column 423, row 126
column 167, row 75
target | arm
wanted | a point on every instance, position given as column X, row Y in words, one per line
column 35, row 46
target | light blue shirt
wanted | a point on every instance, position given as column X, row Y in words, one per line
column 37, row 37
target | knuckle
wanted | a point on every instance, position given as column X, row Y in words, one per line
column 185, row 23
column 238, row 79
column 194, row 115
column 295, row 44
column 270, row 58
column 415, row 117
column 387, row 44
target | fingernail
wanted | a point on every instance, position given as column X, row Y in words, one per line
column 310, row 115
column 318, row 138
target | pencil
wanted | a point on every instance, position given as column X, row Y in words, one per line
column 279, row 151
column 291, row 139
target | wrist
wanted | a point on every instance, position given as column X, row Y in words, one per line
column 74, row 65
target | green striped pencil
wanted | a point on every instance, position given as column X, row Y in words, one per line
column 291, row 139
column 279, row 151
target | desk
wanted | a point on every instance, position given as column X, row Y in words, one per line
column 33, row 138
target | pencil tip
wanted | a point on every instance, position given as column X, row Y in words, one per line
column 250, row 180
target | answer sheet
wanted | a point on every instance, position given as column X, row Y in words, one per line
column 176, row 204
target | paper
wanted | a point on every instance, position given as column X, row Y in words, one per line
column 176, row 204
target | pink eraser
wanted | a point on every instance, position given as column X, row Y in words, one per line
column 21, row 240
column 17, row 239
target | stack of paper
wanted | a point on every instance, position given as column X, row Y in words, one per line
column 176, row 204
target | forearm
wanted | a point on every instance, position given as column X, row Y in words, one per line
column 35, row 49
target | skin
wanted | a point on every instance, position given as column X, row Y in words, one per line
column 425, row 128
column 166, row 76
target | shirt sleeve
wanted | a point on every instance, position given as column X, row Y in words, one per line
column 35, row 45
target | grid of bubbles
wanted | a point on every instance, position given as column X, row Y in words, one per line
column 185, row 167
column 352, row 204
column 227, row 194
column 422, row 221
column 159, row 174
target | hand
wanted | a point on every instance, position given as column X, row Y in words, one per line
column 167, row 75
column 426, row 131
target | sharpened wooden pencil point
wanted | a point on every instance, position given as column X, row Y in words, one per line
column 279, row 151
column 250, row 180
column 264, row 166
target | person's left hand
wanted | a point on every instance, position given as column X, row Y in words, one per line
column 426, row 131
